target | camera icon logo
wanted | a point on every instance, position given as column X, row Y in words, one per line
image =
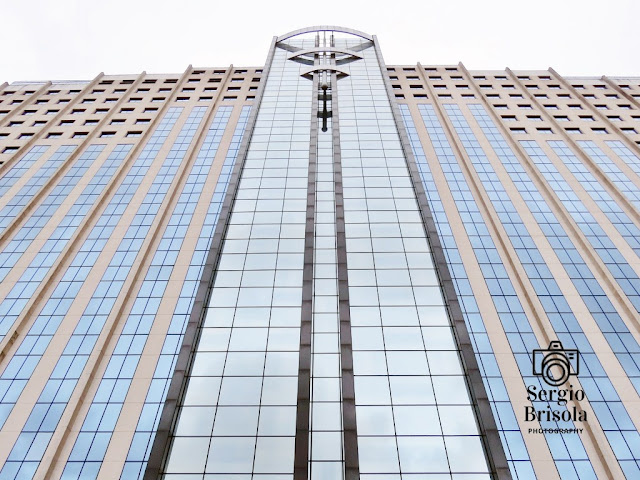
column 555, row 364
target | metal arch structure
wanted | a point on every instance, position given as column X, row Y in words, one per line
column 325, row 28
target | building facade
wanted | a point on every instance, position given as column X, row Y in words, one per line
column 323, row 268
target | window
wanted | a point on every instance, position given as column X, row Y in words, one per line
column 38, row 123
column 54, row 135
column 532, row 87
column 602, row 107
column 554, row 87
column 625, row 106
column 575, row 106
column 160, row 90
column 188, row 89
column 63, row 101
column 149, row 81
column 237, row 79
column 563, row 95
column 25, row 135
column 551, row 106
column 10, row 149
column 110, row 100
column 135, row 99
column 421, row 87
column 150, row 109
column 80, row 134
column 171, row 80
column 628, row 130
column 117, row 121
column 493, row 95
column 524, row 77
column 142, row 90
column 573, row 130
column 534, row 118
column 119, row 90
column 540, row 95
column 107, row 134
column 420, row 95
column 600, row 131
column 435, row 77
column 440, row 87
column 233, row 89
column 461, row 87
column 501, row 106
column 182, row 99
column 28, row 112
column 525, row 106
column 142, row 121
column 614, row 118
column 611, row 95
column 97, row 92
column 158, row 99
column 126, row 110
column 561, row 118
column 500, row 77
column 88, row 100
column 509, row 118
column 515, row 95
column 213, row 89
column 589, row 95
column 193, row 80
column 64, row 123
column 479, row 77
column 398, row 95
column 412, row 77
column 518, row 130
column 102, row 111
column 544, row 130
column 465, row 95
column 126, row 82
column 233, row 97
column 15, row 124
column 204, row 99
column 134, row 134
column 51, row 112
column 587, row 118
column 600, row 87
column 91, row 122
column 578, row 87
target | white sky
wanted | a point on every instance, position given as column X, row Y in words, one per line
column 77, row 39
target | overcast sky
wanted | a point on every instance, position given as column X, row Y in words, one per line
column 77, row 39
